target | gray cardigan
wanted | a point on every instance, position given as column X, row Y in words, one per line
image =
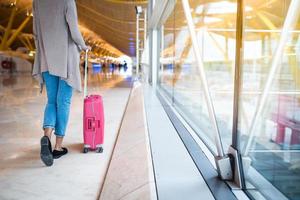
column 55, row 25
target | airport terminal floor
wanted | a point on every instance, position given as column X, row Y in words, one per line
column 201, row 99
column 79, row 176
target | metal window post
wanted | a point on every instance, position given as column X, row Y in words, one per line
column 154, row 58
column 234, row 148
column 237, row 72
column 145, row 27
column 137, row 44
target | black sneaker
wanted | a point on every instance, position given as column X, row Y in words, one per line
column 46, row 151
column 58, row 154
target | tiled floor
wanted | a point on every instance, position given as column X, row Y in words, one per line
column 75, row 176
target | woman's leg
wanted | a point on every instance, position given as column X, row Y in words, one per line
column 63, row 102
column 58, row 143
column 51, row 83
column 49, row 118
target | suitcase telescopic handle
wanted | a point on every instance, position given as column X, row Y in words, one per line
column 85, row 73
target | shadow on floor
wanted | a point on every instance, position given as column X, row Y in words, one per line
column 77, row 147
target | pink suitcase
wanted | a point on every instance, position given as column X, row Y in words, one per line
column 93, row 119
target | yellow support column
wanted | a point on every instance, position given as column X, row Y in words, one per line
column 3, row 45
column 24, row 42
column 18, row 31
column 30, row 44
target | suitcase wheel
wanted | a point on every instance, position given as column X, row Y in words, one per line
column 99, row 150
column 85, row 150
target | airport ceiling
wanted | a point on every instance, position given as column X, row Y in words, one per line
column 102, row 21
column 112, row 22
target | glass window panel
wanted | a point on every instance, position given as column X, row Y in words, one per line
column 274, row 152
column 167, row 56
column 215, row 28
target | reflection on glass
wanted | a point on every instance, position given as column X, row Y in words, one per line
column 167, row 55
column 179, row 75
column 274, row 152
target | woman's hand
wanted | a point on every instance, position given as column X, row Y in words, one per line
column 89, row 48
column 86, row 48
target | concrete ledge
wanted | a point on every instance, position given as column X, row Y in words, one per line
column 130, row 173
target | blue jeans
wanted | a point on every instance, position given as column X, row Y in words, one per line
column 57, row 110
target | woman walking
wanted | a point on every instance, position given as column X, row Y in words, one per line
column 58, row 42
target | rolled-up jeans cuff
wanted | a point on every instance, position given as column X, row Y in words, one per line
column 48, row 126
column 58, row 134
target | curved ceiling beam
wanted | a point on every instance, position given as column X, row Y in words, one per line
column 113, row 31
column 98, row 22
column 104, row 16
